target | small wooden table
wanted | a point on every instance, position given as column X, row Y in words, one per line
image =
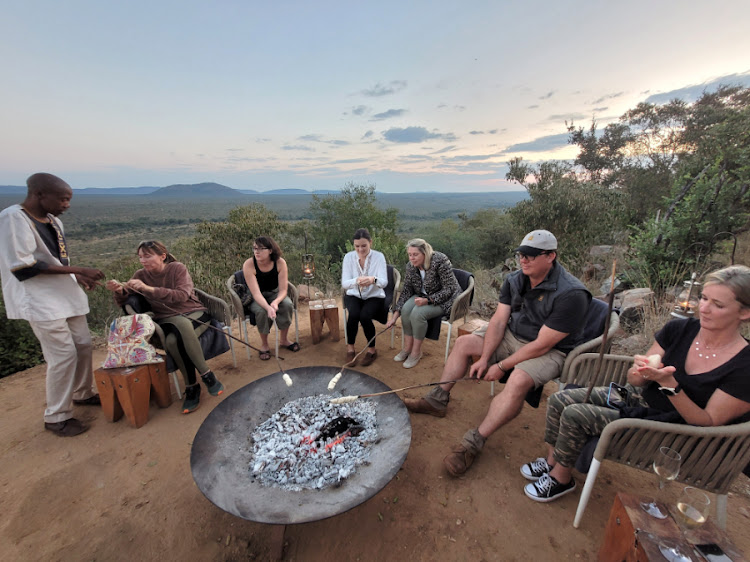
column 633, row 535
column 324, row 311
column 128, row 390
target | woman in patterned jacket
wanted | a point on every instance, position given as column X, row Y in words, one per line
column 429, row 291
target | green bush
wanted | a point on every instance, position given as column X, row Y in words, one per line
column 19, row 348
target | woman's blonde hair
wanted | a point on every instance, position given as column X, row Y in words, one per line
column 737, row 278
column 423, row 247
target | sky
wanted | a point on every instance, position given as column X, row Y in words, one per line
column 406, row 95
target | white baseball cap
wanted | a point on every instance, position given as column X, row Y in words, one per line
column 537, row 242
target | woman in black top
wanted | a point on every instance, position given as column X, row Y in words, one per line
column 701, row 376
column 267, row 279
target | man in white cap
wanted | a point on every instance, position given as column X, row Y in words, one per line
column 539, row 319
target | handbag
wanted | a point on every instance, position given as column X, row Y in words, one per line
column 127, row 344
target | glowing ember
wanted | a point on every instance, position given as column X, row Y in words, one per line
column 312, row 444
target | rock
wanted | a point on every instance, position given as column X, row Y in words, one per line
column 632, row 304
column 600, row 250
column 304, row 292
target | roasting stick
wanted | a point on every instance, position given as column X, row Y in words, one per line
column 610, row 303
column 337, row 376
column 285, row 376
column 346, row 399
column 208, row 325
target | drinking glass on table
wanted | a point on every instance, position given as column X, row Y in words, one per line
column 692, row 508
column 667, row 467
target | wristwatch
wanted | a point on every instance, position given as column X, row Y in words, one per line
column 668, row 391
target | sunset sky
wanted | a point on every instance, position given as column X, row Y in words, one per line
column 410, row 96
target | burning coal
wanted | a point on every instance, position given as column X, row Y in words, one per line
column 312, row 444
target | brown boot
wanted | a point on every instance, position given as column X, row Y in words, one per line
column 422, row 406
column 459, row 460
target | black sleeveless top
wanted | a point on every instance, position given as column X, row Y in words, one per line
column 268, row 281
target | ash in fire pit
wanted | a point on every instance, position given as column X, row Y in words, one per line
column 312, row 444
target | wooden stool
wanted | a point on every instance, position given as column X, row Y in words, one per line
column 128, row 390
column 324, row 311
column 633, row 535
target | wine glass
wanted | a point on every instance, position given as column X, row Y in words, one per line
column 667, row 467
column 692, row 509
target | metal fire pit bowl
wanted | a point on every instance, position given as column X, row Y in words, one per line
column 220, row 457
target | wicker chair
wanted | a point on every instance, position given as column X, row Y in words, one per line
column 459, row 309
column 712, row 457
column 391, row 289
column 217, row 309
column 236, row 285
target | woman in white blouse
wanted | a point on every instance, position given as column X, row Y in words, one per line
column 364, row 276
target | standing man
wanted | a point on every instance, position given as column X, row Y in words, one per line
column 539, row 319
column 41, row 287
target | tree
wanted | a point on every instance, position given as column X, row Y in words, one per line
column 337, row 216
column 220, row 248
column 579, row 213
column 710, row 195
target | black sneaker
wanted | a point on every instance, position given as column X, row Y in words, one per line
column 535, row 469
column 547, row 489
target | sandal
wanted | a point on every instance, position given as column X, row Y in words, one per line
column 265, row 355
column 293, row 347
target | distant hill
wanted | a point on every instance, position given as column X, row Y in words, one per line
column 291, row 191
column 12, row 190
column 197, row 190
column 144, row 190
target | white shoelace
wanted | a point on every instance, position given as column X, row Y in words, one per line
column 544, row 484
column 539, row 466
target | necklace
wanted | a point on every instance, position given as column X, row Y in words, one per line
column 710, row 352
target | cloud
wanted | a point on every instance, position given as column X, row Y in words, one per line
column 547, row 96
column 449, row 148
column 567, row 117
column 351, row 161
column 535, row 106
column 415, row 134
column 359, row 110
column 379, row 90
column 471, row 158
column 490, row 132
column 476, row 132
column 368, row 134
column 695, row 91
column 542, row 144
column 297, row 147
column 607, row 97
column 319, row 138
column 388, row 114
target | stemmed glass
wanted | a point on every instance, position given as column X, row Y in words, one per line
column 667, row 467
column 692, row 508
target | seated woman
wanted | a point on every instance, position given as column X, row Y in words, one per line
column 267, row 277
column 702, row 378
column 430, row 287
column 167, row 286
column 364, row 276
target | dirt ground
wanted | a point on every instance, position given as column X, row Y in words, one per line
column 118, row 493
